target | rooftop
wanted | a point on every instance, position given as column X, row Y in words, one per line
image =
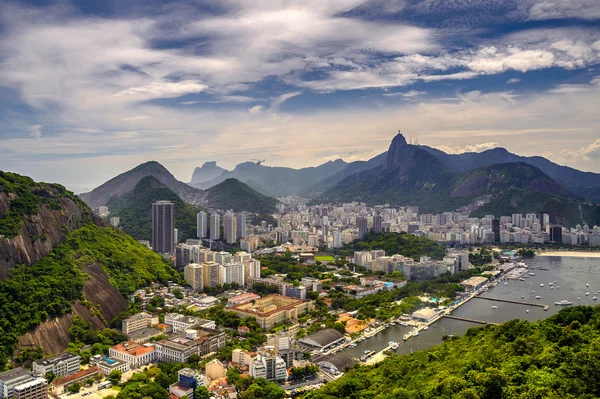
column 55, row 359
column 14, row 373
column 134, row 349
column 74, row 377
column 323, row 337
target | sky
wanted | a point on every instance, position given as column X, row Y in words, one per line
column 92, row 88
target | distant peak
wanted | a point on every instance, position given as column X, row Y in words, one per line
column 209, row 164
column 398, row 141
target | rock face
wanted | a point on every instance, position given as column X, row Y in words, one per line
column 40, row 232
column 207, row 172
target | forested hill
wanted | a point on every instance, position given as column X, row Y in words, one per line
column 404, row 244
column 135, row 209
column 554, row 358
column 75, row 266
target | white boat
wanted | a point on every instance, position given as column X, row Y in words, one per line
column 587, row 284
column 579, row 299
column 403, row 323
column 527, row 310
column 550, row 283
column 564, row 302
column 541, row 285
column 531, row 273
column 416, row 334
column 537, row 297
column 551, row 288
column 494, row 307
column 505, row 283
column 426, row 328
column 595, row 298
column 587, row 293
column 395, row 346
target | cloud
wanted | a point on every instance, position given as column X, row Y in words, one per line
column 36, row 131
column 135, row 118
column 468, row 148
column 257, row 109
column 559, row 9
column 513, row 81
column 164, row 89
column 589, row 152
column 408, row 94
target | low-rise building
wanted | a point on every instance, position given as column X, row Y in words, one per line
column 34, row 389
column 59, row 386
column 474, row 283
column 425, row 315
column 187, row 382
column 134, row 354
column 12, row 378
column 272, row 309
column 243, row 298
column 180, row 347
column 107, row 365
column 324, row 339
column 138, row 322
column 60, row 365
column 182, row 323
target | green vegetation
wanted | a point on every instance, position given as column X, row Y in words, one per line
column 482, row 256
column 324, row 258
column 263, row 217
column 303, row 372
column 553, row 358
column 251, row 388
column 135, row 210
column 526, row 252
column 233, row 194
column 29, row 195
column 48, row 288
column 404, row 244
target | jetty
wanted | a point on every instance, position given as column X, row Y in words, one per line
column 539, row 305
column 469, row 320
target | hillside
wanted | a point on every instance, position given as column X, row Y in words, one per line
column 125, row 182
column 277, row 181
column 34, row 218
column 404, row 244
column 208, row 171
column 584, row 184
column 74, row 265
column 553, row 358
column 233, row 194
column 135, row 210
column 413, row 176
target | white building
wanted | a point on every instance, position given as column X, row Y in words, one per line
column 60, row 365
column 138, row 322
column 215, row 226
column 182, row 323
column 136, row 355
column 229, row 228
column 268, row 366
column 232, row 273
column 201, row 225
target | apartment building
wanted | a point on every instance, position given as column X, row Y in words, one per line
column 138, row 322
column 34, row 389
column 182, row 323
column 61, row 365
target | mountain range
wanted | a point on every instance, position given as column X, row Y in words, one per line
column 412, row 174
column 228, row 194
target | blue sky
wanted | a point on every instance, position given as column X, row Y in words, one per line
column 89, row 89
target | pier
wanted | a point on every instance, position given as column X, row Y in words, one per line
column 539, row 305
column 469, row 320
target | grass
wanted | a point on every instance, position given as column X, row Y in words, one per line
column 325, row 258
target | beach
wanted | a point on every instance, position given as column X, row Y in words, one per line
column 574, row 254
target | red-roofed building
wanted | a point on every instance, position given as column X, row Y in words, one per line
column 135, row 354
column 60, row 385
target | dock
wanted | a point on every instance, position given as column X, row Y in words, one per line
column 539, row 305
column 470, row 320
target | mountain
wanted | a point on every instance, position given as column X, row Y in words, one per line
column 350, row 169
column 125, row 182
column 233, row 194
column 135, row 210
column 277, row 181
column 584, row 184
column 207, row 172
column 412, row 175
column 552, row 358
column 66, row 265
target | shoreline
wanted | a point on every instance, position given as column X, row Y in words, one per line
column 573, row 254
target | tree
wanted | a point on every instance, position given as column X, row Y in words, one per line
column 201, row 393
column 89, row 381
column 74, row 388
column 115, row 377
column 340, row 327
column 177, row 293
column 312, row 295
column 50, row 376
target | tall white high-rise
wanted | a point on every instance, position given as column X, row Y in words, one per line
column 232, row 273
column 215, row 226
column 229, row 228
column 241, row 225
column 201, row 225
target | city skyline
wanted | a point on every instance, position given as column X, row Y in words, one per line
column 91, row 90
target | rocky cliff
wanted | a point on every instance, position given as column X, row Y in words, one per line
column 41, row 231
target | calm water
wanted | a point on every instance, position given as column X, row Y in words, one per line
column 571, row 275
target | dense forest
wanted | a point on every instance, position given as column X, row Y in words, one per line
column 48, row 288
column 404, row 244
column 553, row 358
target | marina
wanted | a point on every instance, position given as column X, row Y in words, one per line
column 517, row 299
